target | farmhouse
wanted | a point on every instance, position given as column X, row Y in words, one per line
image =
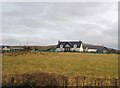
column 10, row 48
column 4, row 48
column 68, row 46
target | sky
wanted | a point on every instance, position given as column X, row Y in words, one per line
column 44, row 23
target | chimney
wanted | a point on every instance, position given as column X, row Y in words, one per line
column 102, row 44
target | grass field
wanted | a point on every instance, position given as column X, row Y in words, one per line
column 70, row 64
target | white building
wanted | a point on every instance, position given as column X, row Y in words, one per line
column 68, row 46
column 95, row 48
column 5, row 48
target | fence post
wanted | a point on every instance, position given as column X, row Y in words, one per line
column 115, row 83
column 77, row 82
column 66, row 82
column 84, row 81
column 95, row 82
column 12, row 81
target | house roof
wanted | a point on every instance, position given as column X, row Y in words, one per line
column 98, row 47
column 89, row 46
column 102, row 49
column 17, row 48
column 3, row 46
column 71, row 43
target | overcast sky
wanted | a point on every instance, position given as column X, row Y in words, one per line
column 40, row 23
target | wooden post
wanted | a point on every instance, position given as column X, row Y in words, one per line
column 115, row 83
column 77, row 82
column 12, row 81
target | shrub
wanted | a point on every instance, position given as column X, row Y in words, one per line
column 36, row 79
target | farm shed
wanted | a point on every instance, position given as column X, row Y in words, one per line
column 103, row 50
column 17, row 49
column 95, row 48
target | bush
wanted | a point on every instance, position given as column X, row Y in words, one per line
column 36, row 79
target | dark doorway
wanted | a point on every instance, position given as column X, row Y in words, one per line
column 67, row 49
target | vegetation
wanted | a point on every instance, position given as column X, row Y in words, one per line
column 60, row 63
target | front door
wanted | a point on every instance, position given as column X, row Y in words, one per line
column 67, row 49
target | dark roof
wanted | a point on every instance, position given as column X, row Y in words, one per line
column 102, row 49
column 3, row 46
column 89, row 46
column 71, row 43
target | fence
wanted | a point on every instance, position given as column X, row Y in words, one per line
column 84, row 81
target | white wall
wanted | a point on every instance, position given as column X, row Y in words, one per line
column 81, row 48
column 75, row 49
column 7, row 49
column 92, row 50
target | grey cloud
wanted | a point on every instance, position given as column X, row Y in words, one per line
column 46, row 23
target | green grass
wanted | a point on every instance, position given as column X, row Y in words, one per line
column 70, row 64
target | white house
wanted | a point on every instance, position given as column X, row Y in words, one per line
column 10, row 48
column 68, row 46
column 5, row 48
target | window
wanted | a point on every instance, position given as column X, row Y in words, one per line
column 75, row 46
column 61, row 46
column 67, row 45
